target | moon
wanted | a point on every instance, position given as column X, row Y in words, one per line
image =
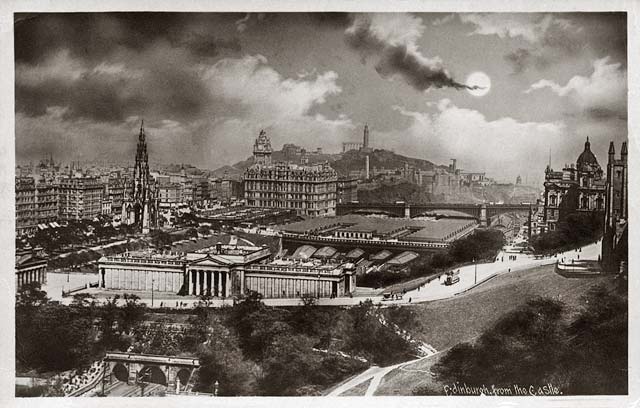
column 481, row 80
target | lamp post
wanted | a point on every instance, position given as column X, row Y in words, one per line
column 152, row 282
column 475, row 272
column 318, row 287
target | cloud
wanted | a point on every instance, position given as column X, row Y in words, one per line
column 258, row 97
column 392, row 38
column 94, row 36
column 158, row 83
column 599, row 96
column 523, row 58
column 503, row 147
column 551, row 38
column 531, row 27
column 243, row 95
column 443, row 20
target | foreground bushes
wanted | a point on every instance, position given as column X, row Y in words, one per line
column 538, row 344
column 250, row 349
column 574, row 231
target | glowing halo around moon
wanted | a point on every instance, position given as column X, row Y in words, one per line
column 481, row 80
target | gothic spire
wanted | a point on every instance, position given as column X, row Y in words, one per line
column 141, row 136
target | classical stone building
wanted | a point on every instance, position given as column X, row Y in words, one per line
column 292, row 278
column 615, row 248
column 140, row 207
column 310, row 190
column 216, row 271
column 30, row 267
column 577, row 188
column 225, row 271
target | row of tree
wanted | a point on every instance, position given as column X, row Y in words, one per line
column 53, row 337
column 574, row 231
column 249, row 349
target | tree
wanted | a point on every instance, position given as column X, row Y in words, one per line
column 110, row 314
column 523, row 347
column 596, row 354
column 31, row 295
column 574, row 231
column 482, row 244
column 221, row 360
column 365, row 335
column 132, row 312
column 311, row 320
column 288, row 364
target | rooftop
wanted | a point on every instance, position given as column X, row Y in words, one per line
column 420, row 229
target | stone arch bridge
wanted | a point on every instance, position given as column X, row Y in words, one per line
column 168, row 371
column 484, row 213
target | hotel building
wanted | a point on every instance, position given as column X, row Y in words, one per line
column 310, row 190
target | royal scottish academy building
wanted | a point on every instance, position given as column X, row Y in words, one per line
column 225, row 271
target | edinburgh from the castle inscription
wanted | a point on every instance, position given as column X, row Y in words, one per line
column 321, row 204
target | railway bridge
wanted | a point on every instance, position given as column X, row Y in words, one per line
column 484, row 212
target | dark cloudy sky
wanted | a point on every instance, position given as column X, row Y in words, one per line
column 206, row 83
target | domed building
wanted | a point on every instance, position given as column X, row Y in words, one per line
column 577, row 188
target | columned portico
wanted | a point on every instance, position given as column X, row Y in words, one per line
column 210, row 282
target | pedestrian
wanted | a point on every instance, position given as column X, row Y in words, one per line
column 509, row 269
column 409, row 300
column 578, row 256
column 503, row 258
column 160, row 304
column 176, row 304
column 438, row 278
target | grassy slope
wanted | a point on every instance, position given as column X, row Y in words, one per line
column 463, row 318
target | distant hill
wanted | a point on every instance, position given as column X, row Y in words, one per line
column 378, row 158
column 343, row 163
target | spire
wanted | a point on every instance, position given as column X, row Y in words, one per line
column 612, row 149
column 141, row 135
column 624, row 148
column 587, row 145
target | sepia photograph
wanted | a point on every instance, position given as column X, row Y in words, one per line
column 320, row 204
